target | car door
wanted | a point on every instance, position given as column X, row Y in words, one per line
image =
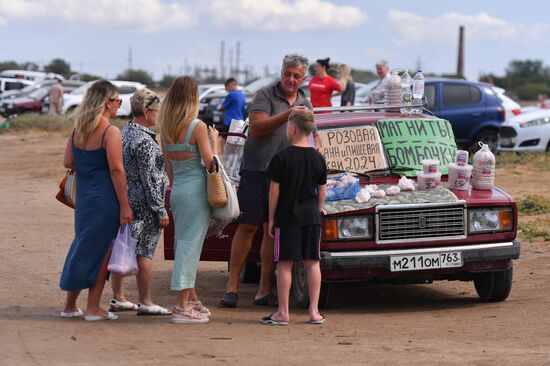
column 463, row 105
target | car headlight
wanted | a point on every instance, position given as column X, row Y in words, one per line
column 490, row 220
column 536, row 122
column 346, row 228
column 10, row 106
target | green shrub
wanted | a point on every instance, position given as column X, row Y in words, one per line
column 533, row 205
column 35, row 121
column 538, row 229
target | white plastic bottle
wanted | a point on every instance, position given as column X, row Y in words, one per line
column 418, row 90
column 406, row 94
column 483, row 174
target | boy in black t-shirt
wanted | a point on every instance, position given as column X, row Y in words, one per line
column 297, row 194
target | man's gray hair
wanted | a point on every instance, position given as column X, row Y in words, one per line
column 295, row 60
column 382, row 63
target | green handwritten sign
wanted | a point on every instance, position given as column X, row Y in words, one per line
column 409, row 141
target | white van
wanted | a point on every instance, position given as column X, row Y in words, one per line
column 30, row 75
column 7, row 84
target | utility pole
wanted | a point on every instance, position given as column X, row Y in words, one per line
column 460, row 63
column 231, row 67
column 222, row 60
column 237, row 59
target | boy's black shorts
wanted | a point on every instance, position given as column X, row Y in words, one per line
column 297, row 242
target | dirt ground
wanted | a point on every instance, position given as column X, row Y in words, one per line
column 442, row 323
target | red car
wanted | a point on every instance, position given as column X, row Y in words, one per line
column 468, row 236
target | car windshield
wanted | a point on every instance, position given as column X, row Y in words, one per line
column 39, row 93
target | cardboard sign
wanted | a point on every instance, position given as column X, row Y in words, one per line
column 353, row 149
column 409, row 141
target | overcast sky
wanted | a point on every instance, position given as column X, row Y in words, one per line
column 95, row 35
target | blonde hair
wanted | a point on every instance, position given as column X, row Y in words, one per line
column 141, row 99
column 345, row 75
column 88, row 114
column 180, row 106
column 303, row 120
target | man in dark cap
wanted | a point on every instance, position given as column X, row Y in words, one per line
column 322, row 85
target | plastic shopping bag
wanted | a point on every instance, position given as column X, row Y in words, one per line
column 123, row 261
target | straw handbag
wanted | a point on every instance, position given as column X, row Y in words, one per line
column 67, row 189
column 215, row 188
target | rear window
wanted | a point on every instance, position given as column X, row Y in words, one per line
column 429, row 93
column 455, row 94
column 127, row 89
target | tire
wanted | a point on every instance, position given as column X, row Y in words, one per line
column 250, row 273
column 489, row 137
column 494, row 286
column 300, row 291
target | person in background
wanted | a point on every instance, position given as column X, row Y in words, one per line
column 348, row 86
column 233, row 107
column 56, row 97
column 322, row 86
column 94, row 151
column 187, row 143
column 268, row 115
column 144, row 165
column 376, row 94
column 297, row 194
column 543, row 101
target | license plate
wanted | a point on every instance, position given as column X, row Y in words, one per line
column 421, row 262
column 216, row 118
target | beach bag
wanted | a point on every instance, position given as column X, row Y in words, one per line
column 230, row 210
column 123, row 261
column 67, row 189
column 215, row 188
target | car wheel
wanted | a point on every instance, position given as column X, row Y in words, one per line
column 250, row 273
column 300, row 290
column 488, row 137
column 494, row 286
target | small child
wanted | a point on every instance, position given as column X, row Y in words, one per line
column 297, row 194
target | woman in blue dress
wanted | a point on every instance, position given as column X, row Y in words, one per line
column 94, row 151
column 186, row 140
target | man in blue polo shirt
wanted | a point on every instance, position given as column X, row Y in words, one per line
column 233, row 106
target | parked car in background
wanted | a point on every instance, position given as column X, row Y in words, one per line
column 31, row 102
column 30, row 75
column 473, row 109
column 528, row 132
column 126, row 90
column 511, row 107
column 8, row 85
column 68, row 86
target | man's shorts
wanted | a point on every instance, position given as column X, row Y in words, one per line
column 297, row 242
column 253, row 197
column 221, row 127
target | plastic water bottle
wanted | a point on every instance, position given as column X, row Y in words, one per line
column 418, row 91
column 406, row 94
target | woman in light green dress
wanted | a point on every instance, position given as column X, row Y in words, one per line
column 187, row 140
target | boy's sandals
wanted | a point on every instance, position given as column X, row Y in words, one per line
column 152, row 310
column 72, row 314
column 116, row 306
column 269, row 320
column 188, row 316
column 197, row 305
column 318, row 321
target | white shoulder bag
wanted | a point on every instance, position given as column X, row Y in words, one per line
column 231, row 210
